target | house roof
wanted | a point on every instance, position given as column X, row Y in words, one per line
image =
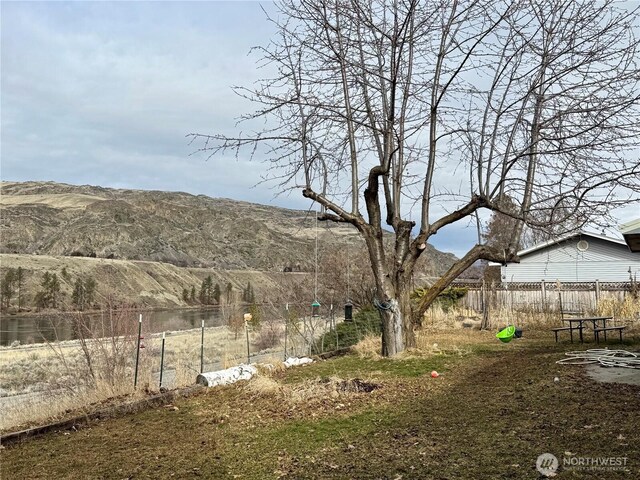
column 631, row 233
column 569, row 236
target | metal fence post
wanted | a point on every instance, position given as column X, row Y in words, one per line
column 135, row 377
column 246, row 329
column 162, row 360
column 202, row 348
column 286, row 329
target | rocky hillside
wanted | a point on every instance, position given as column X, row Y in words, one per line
column 46, row 218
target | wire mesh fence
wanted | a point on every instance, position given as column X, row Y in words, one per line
column 85, row 359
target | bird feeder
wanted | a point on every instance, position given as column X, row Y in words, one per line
column 315, row 309
column 348, row 311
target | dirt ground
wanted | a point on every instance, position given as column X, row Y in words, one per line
column 491, row 413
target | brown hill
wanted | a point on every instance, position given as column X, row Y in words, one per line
column 46, row 218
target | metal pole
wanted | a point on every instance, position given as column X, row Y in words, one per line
column 162, row 360
column 315, row 286
column 246, row 329
column 135, row 377
column 335, row 327
column 202, row 348
column 286, row 329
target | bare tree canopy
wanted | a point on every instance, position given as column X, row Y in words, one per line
column 372, row 102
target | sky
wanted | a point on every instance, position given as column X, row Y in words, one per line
column 105, row 93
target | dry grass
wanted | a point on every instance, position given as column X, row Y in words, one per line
column 448, row 338
column 437, row 319
column 50, row 378
column 308, row 391
column 271, row 367
column 263, row 385
column 44, row 382
column 413, row 426
column 628, row 310
column 56, row 405
column 369, row 347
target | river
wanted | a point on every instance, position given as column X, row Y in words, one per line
column 44, row 328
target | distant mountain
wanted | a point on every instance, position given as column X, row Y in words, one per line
column 46, row 218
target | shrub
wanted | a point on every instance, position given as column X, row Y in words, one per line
column 365, row 322
column 269, row 336
column 450, row 296
column 446, row 299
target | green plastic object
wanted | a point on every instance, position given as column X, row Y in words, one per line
column 506, row 334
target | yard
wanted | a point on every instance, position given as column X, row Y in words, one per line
column 492, row 411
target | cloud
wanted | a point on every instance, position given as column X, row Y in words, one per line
column 104, row 93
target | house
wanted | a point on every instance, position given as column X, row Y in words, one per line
column 631, row 233
column 577, row 257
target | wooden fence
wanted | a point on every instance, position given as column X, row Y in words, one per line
column 578, row 297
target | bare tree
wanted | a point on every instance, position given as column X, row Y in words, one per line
column 499, row 229
column 345, row 276
column 379, row 108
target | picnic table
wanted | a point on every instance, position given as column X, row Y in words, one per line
column 598, row 323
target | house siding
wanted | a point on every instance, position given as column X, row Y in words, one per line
column 603, row 260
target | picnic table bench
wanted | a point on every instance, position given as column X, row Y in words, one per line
column 596, row 332
column 599, row 325
column 571, row 329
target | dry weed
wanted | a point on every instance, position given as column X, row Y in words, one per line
column 261, row 385
column 320, row 389
column 369, row 347
column 55, row 404
column 309, row 391
column 270, row 367
column 457, row 318
column 629, row 309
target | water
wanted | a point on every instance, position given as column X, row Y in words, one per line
column 44, row 328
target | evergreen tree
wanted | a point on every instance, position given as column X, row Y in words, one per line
column 83, row 293
column 209, row 281
column 202, row 295
column 78, row 295
column 185, row 295
column 229, row 292
column 8, row 287
column 216, row 293
column 46, row 278
column 89, row 290
column 50, row 293
column 54, row 291
column 256, row 316
column 42, row 298
column 206, row 291
column 248, row 294
column 20, row 280
column 192, row 296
